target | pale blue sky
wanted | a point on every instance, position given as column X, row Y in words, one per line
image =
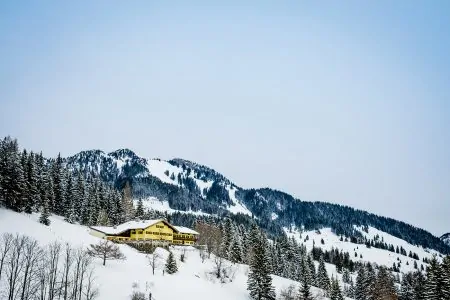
column 346, row 103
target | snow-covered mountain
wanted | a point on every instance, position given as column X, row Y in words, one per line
column 446, row 238
column 182, row 185
column 116, row 279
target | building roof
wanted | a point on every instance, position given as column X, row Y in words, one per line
column 139, row 225
column 127, row 226
column 182, row 229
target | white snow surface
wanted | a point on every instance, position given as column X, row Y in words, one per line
column 163, row 206
column 115, row 280
column 238, row 207
column 379, row 256
column 126, row 226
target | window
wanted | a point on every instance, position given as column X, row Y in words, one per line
column 148, row 232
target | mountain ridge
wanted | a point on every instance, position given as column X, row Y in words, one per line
column 189, row 186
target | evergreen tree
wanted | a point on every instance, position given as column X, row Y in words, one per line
column 58, row 187
column 69, row 200
column 407, row 291
column 335, row 293
column 305, row 289
column 33, row 196
column 45, row 212
column 259, row 281
column 236, row 250
column 227, row 236
column 13, row 180
column 446, row 277
column 140, row 209
column 80, row 197
column 103, row 219
column 323, row 281
column 127, row 203
column 311, row 270
column 384, row 286
column 419, row 285
column 360, row 287
column 171, row 264
column 433, row 285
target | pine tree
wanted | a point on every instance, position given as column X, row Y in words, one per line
column 13, row 179
column 236, row 250
column 323, row 281
column 305, row 289
column 45, row 213
column 384, row 286
column 79, row 197
column 33, row 195
column 360, row 287
column 58, row 187
column 311, row 270
column 127, row 203
column 335, row 293
column 446, row 277
column 227, row 235
column 140, row 209
column 407, row 291
column 259, row 281
column 433, row 285
column 171, row 264
column 69, row 200
column 103, row 219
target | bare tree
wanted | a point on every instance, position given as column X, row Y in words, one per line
column 289, row 293
column 5, row 246
column 31, row 255
column 202, row 255
column 15, row 265
column 154, row 260
column 105, row 250
column 209, row 235
column 67, row 264
column 53, row 256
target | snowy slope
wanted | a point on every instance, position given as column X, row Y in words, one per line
column 379, row 256
column 115, row 280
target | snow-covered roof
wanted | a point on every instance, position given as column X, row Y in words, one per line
column 182, row 229
column 126, row 226
column 139, row 225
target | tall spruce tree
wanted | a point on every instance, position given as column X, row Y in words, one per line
column 259, row 282
column 323, row 281
column 127, row 203
column 69, row 200
column 171, row 264
column 33, row 195
column 140, row 209
column 80, row 197
column 445, row 267
column 360, row 286
column 335, row 290
column 433, row 285
column 58, row 187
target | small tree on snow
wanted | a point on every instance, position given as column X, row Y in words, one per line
column 171, row 264
column 154, row 261
column 105, row 250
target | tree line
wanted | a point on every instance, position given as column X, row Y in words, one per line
column 31, row 183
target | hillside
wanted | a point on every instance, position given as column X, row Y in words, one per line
column 446, row 238
column 115, row 280
column 183, row 185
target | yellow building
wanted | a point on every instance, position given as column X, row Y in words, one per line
column 158, row 231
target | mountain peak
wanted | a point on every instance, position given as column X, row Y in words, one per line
column 123, row 153
column 446, row 238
